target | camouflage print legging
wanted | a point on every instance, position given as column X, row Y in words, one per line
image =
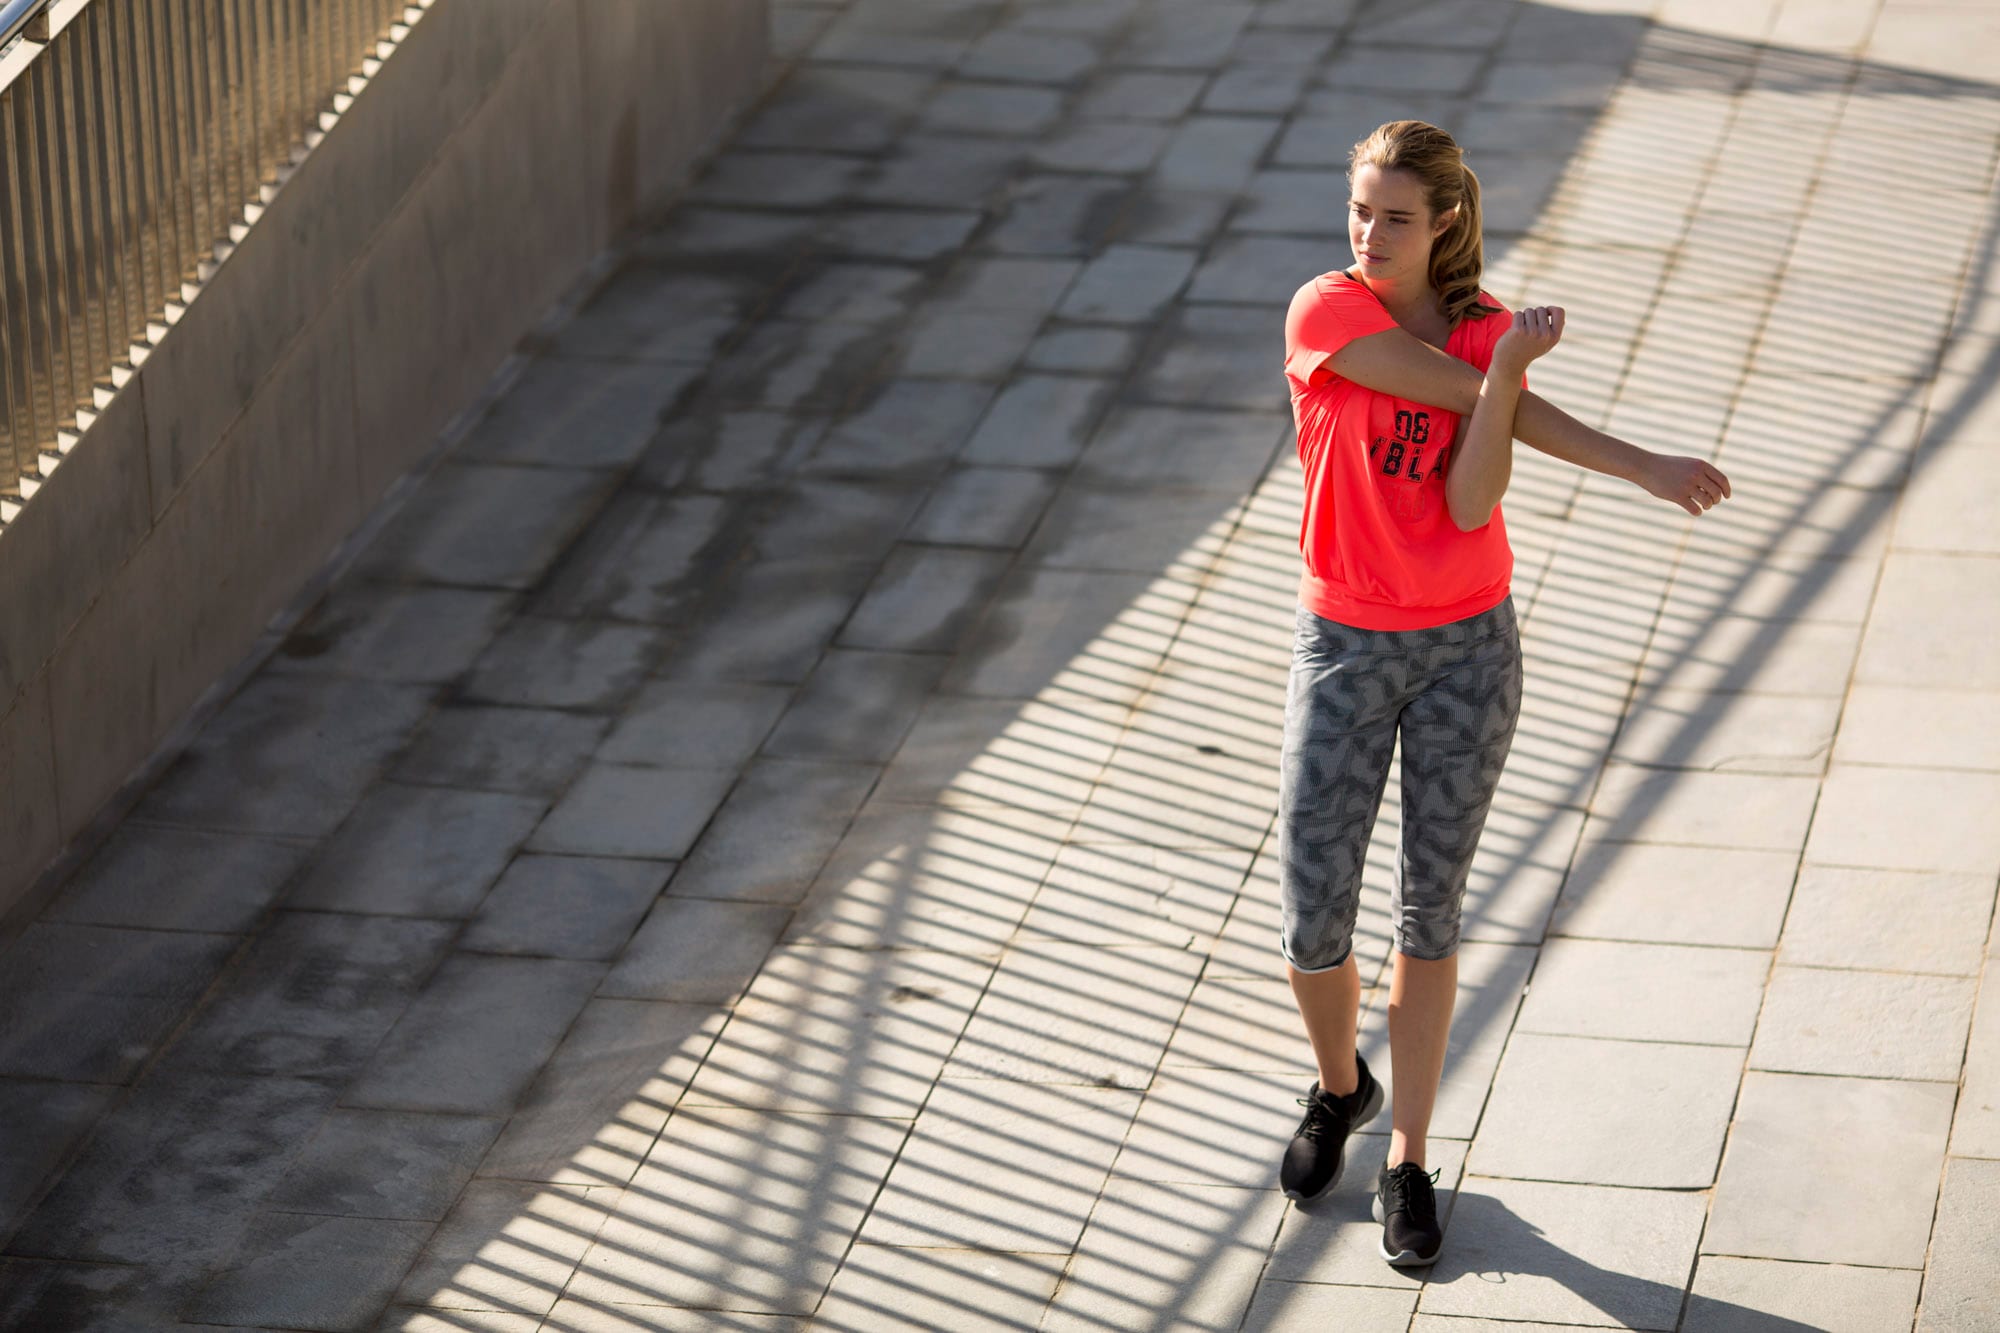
column 1454, row 691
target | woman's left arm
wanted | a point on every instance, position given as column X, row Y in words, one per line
column 1483, row 460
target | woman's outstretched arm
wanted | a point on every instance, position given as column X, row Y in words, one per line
column 1396, row 361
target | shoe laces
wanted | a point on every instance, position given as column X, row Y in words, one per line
column 1320, row 1113
column 1411, row 1191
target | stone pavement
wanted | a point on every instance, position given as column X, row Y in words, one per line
column 776, row 831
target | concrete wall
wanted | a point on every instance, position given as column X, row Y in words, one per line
column 504, row 145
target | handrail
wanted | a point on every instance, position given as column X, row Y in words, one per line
column 15, row 16
column 139, row 139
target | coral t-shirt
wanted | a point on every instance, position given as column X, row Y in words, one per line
column 1380, row 548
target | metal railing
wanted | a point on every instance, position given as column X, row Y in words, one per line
column 140, row 139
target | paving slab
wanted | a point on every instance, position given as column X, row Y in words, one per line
column 507, row 1247
column 1037, row 754
column 1648, row 1114
column 795, row 366
column 418, row 851
column 924, row 600
column 313, row 995
column 948, row 1187
column 630, row 811
column 945, row 170
column 856, row 705
column 710, row 446
column 930, row 877
column 1646, row 992
column 472, row 1041
column 385, row 1164
column 1038, row 421
column 580, row 907
column 1745, row 1294
column 775, row 831
column 296, row 1270
column 1959, row 1292
column 1106, row 893
column 581, row 664
column 385, row 632
column 1197, row 1250
column 178, row 879
column 171, row 1176
column 695, row 949
column 1920, row 727
column 645, row 559
column 287, row 756
column 593, row 1112
column 1666, row 894
column 652, row 314
column 1278, row 1306
column 582, row 413
column 917, row 1288
column 484, row 525
column 1058, row 213
column 983, row 506
column 1976, row 1128
column 1057, row 1012
column 1573, row 1253
column 694, row 724
column 1868, row 1024
column 604, row 1316
column 770, row 623
column 863, row 1032
column 532, row 751
column 709, row 1222
column 1907, row 819
column 36, row 1292
column 907, row 431
column 45, row 1121
column 1791, row 1186
column 1212, row 1126
column 1750, row 811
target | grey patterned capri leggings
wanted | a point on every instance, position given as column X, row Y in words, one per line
column 1454, row 692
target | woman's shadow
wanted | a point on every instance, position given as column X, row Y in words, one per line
column 1487, row 1245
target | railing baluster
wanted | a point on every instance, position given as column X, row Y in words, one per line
column 24, row 401
column 137, row 140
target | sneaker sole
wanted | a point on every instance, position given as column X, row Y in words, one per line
column 1369, row 1110
column 1402, row 1258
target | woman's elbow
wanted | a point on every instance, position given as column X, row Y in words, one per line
column 1470, row 517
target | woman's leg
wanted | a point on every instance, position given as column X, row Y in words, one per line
column 1456, row 734
column 1421, row 993
column 1330, row 1004
column 1340, row 732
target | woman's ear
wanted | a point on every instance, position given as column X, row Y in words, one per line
column 1445, row 219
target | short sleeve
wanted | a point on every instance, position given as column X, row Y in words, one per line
column 1327, row 314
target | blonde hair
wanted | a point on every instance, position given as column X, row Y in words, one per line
column 1438, row 163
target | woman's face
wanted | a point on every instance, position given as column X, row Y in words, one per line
column 1389, row 224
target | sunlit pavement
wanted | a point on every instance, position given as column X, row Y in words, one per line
column 776, row 830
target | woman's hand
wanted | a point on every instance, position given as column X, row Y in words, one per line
column 1695, row 484
column 1536, row 331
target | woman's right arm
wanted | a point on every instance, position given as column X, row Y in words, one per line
column 1396, row 361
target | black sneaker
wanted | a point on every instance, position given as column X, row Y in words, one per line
column 1407, row 1208
column 1318, row 1149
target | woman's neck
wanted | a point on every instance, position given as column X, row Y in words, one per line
column 1407, row 301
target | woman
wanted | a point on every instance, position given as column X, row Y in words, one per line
column 1408, row 388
